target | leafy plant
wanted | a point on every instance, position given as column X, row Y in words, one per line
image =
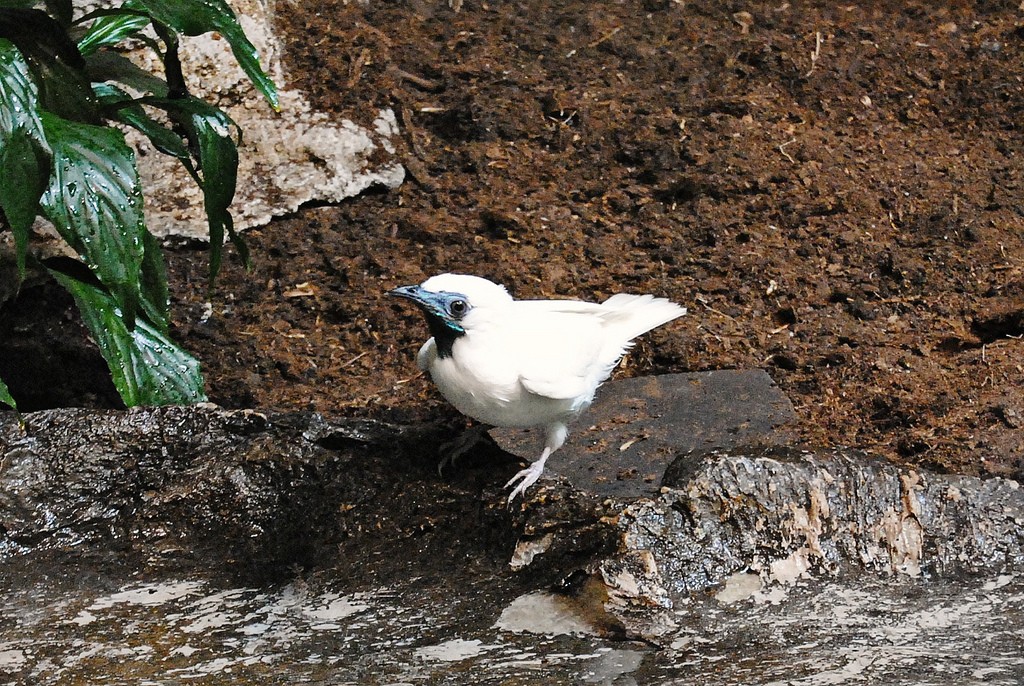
column 62, row 87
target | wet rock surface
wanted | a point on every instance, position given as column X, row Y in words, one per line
column 84, row 626
column 198, row 545
column 257, row 494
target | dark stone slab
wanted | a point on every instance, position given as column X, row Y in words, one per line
column 636, row 428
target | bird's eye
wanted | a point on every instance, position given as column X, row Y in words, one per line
column 458, row 308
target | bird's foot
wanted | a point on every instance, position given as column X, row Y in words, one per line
column 461, row 445
column 526, row 478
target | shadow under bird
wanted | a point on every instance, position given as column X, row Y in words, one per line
column 525, row 363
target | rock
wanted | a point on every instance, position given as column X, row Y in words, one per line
column 260, row 493
column 786, row 514
column 286, row 158
column 204, row 498
column 622, row 445
column 781, row 516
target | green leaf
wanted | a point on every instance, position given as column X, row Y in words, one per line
column 195, row 17
column 5, row 396
column 110, row 28
column 18, row 93
column 107, row 65
column 24, row 156
column 24, row 168
column 209, row 132
column 55, row 63
column 95, row 201
column 218, row 159
column 155, row 297
column 147, row 367
column 120, row 106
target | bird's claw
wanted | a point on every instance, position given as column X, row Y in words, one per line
column 526, row 478
column 462, row 444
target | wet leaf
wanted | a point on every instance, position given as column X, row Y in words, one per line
column 120, row 106
column 210, row 132
column 147, row 367
column 95, row 201
column 24, row 167
column 195, row 17
column 18, row 93
column 106, row 65
column 54, row 62
column 155, row 296
column 24, row 157
column 110, row 28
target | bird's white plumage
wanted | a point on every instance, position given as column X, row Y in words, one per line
column 525, row 363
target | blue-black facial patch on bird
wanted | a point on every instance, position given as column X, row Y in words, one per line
column 442, row 310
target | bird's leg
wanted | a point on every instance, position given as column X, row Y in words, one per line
column 461, row 445
column 556, row 434
column 527, row 477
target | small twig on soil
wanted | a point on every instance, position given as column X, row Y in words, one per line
column 628, row 444
column 426, row 84
column 356, row 71
column 408, row 379
column 745, row 20
column 414, row 164
column 816, row 53
column 704, row 328
column 596, row 42
column 602, row 39
column 354, row 359
column 383, row 37
column 704, row 302
column 782, row 149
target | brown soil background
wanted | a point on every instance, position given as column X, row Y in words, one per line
column 834, row 190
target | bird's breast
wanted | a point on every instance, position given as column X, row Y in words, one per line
column 492, row 393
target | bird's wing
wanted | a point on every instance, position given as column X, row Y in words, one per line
column 557, row 350
column 568, row 347
column 625, row 316
column 566, row 306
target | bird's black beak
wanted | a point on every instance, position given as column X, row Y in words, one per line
column 427, row 301
column 440, row 323
column 414, row 293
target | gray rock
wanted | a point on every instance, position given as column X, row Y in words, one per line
column 623, row 443
column 172, row 544
column 169, row 478
column 786, row 515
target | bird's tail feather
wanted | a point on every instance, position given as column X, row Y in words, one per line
column 629, row 316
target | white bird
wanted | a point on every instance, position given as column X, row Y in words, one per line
column 525, row 363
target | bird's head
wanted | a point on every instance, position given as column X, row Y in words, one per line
column 451, row 301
